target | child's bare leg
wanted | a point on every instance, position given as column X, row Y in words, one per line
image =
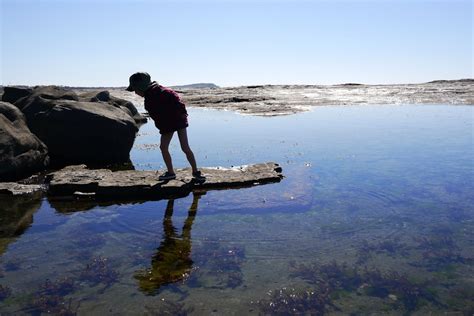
column 183, row 140
column 164, row 146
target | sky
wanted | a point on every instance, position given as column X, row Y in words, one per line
column 233, row 43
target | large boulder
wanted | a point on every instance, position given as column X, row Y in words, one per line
column 104, row 96
column 13, row 94
column 77, row 131
column 20, row 95
column 21, row 152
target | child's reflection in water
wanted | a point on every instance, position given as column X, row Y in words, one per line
column 172, row 261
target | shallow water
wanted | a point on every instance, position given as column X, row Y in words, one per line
column 375, row 213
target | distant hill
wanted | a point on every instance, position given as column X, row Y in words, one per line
column 467, row 80
column 196, row 86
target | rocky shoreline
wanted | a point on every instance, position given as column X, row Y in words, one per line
column 272, row 100
column 50, row 126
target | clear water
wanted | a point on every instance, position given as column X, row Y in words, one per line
column 375, row 213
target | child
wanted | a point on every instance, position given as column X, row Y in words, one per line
column 170, row 115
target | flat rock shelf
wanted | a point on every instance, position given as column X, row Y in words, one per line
column 104, row 184
column 18, row 189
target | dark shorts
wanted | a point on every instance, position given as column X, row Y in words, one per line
column 175, row 128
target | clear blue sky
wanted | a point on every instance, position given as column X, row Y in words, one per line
column 230, row 43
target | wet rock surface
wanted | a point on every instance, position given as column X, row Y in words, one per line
column 104, row 184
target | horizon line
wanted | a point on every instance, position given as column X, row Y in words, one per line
column 469, row 80
column 254, row 85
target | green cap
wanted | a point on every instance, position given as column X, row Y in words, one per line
column 139, row 81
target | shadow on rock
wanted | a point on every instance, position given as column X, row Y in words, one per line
column 21, row 152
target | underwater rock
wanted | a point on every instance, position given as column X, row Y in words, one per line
column 104, row 184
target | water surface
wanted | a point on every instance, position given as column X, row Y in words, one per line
column 375, row 213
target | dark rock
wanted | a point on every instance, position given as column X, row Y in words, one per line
column 466, row 80
column 21, row 152
column 13, row 94
column 349, row 84
column 131, row 184
column 124, row 105
column 94, row 96
column 78, row 132
column 46, row 93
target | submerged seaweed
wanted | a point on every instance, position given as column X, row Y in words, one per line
column 370, row 282
column 5, row 292
column 390, row 247
column 460, row 298
column 218, row 266
column 409, row 293
column 51, row 304
column 438, row 252
column 99, row 271
column 50, row 298
column 290, row 301
column 60, row 287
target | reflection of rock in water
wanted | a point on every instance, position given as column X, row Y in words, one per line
column 16, row 216
column 172, row 261
column 67, row 206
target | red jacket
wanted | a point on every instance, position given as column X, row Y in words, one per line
column 165, row 108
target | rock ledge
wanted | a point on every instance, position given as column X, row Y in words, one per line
column 104, row 184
